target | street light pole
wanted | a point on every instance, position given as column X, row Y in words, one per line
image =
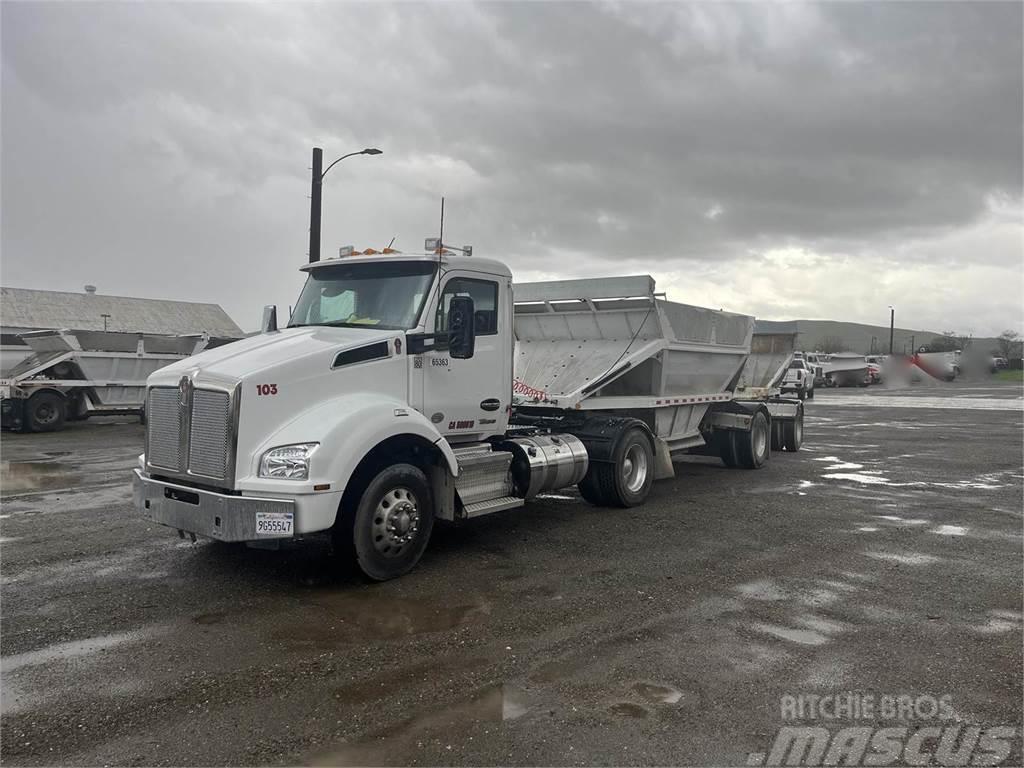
column 318, row 173
column 892, row 325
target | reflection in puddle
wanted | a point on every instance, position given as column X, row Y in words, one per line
column 380, row 616
column 19, row 476
column 909, row 558
column 11, row 698
column 802, row 636
column 658, row 694
column 628, row 709
column 394, row 743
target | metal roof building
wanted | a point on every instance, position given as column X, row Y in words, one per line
column 23, row 309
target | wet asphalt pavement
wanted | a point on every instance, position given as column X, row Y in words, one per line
column 886, row 557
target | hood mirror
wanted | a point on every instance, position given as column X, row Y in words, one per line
column 269, row 324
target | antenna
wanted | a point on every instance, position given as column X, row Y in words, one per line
column 441, row 237
column 392, row 241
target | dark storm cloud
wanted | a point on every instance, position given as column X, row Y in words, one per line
column 154, row 148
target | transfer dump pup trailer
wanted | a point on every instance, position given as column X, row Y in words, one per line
column 412, row 388
column 72, row 375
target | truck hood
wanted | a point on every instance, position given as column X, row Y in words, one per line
column 253, row 355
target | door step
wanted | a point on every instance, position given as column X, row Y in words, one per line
column 491, row 505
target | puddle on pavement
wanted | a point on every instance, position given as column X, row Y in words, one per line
column 13, row 698
column 21, row 476
column 658, row 694
column 628, row 709
column 801, row 636
column 907, row 558
column 209, row 618
column 381, row 617
column 400, row 743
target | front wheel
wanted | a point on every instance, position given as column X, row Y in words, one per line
column 392, row 522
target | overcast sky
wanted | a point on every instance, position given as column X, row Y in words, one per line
column 814, row 161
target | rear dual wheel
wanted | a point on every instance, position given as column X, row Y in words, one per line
column 747, row 449
column 626, row 480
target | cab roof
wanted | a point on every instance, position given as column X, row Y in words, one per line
column 448, row 261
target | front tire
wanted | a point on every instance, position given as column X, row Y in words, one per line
column 392, row 522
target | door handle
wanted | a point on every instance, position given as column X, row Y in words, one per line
column 490, row 404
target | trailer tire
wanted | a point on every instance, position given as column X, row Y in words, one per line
column 391, row 523
column 727, row 448
column 793, row 432
column 778, row 436
column 810, row 393
column 589, row 488
column 45, row 411
column 753, row 448
column 801, row 394
column 625, row 481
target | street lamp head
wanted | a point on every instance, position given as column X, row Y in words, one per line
column 372, row 151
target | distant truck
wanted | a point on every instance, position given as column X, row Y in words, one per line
column 413, row 388
column 799, row 379
column 72, row 375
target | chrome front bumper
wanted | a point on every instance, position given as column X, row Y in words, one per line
column 204, row 513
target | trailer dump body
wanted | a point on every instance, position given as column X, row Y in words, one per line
column 770, row 356
column 74, row 374
column 593, row 343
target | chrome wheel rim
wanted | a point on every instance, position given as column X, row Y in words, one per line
column 634, row 468
column 760, row 441
column 396, row 522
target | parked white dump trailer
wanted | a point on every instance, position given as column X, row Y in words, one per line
column 412, row 388
column 71, row 375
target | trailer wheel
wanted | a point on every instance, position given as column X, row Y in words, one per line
column 810, row 393
column 801, row 394
column 44, row 412
column 793, row 432
column 754, row 447
column 778, row 435
column 392, row 522
column 627, row 479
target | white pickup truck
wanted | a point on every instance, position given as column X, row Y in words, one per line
column 409, row 388
column 799, row 379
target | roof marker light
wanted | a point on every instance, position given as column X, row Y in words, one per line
column 345, row 250
column 432, row 244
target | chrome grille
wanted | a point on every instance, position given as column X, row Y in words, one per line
column 163, row 428
column 191, row 433
column 210, row 434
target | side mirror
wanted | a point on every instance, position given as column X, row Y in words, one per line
column 461, row 328
column 269, row 324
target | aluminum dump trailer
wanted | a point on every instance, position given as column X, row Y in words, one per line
column 71, row 375
column 770, row 356
column 615, row 346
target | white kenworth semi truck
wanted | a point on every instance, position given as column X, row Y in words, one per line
column 412, row 388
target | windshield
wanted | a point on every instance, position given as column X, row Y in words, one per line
column 379, row 294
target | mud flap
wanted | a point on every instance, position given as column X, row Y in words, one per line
column 663, row 467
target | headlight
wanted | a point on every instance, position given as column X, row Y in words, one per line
column 288, row 462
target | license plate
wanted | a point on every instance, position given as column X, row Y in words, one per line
column 275, row 523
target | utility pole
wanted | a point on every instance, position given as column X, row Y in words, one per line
column 105, row 317
column 314, row 205
column 315, row 195
column 892, row 325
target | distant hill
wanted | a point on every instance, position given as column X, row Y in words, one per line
column 858, row 337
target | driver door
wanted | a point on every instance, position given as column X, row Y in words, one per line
column 468, row 399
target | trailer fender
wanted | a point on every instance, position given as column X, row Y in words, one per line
column 365, row 421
